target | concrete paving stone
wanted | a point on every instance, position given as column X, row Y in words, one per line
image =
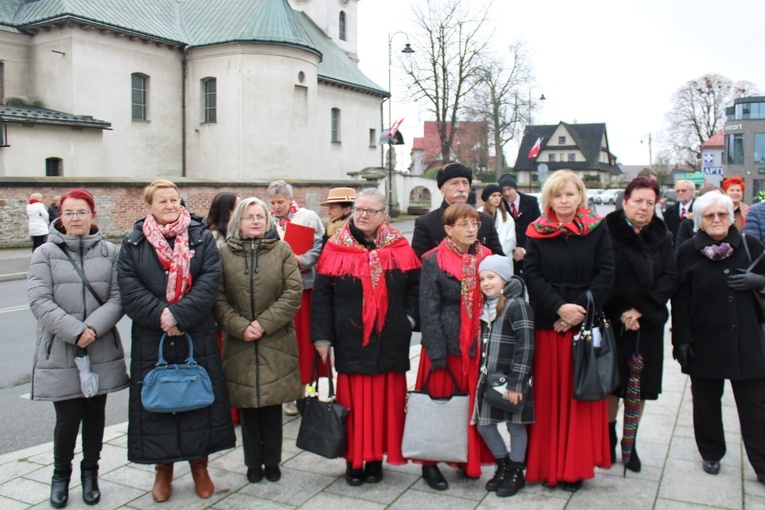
column 43, row 458
column 608, row 492
column 647, row 473
column 410, row 468
column 11, row 504
column 24, row 455
column 43, row 474
column 684, row 480
column 684, row 448
column 671, row 504
column 238, row 501
column 655, row 428
column 26, row 491
column 387, row 491
column 295, row 487
column 16, row 468
column 527, row 498
column 326, row 501
column 312, row 463
column 183, row 495
column 651, row 454
column 290, row 431
column 754, row 503
column 131, row 476
column 120, row 441
column 112, row 496
column 432, row 501
column 232, row 460
column 752, row 486
column 459, row 485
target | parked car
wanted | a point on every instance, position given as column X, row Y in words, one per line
column 668, row 200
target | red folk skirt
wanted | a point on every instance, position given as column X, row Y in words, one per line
column 375, row 424
column 569, row 438
column 441, row 385
column 306, row 350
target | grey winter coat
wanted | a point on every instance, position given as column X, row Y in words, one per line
column 64, row 308
column 507, row 346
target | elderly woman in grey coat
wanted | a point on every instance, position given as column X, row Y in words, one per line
column 72, row 289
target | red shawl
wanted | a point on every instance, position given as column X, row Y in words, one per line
column 547, row 225
column 343, row 255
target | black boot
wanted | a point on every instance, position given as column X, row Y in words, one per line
column 634, row 464
column 513, row 481
column 91, row 495
column 614, row 440
column 59, row 488
column 500, row 473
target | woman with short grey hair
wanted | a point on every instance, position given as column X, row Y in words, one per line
column 286, row 210
column 716, row 329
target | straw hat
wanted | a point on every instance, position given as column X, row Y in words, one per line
column 340, row 196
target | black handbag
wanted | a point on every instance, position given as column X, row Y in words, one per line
column 322, row 428
column 595, row 372
column 494, row 391
column 176, row 388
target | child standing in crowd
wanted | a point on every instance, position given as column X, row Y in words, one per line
column 507, row 347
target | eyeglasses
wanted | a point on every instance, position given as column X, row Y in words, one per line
column 711, row 216
column 466, row 225
column 360, row 211
column 72, row 214
column 250, row 219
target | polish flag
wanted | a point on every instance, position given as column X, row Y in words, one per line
column 534, row 152
column 394, row 128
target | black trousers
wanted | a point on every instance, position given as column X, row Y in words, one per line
column 262, row 435
column 69, row 414
column 38, row 241
column 708, row 422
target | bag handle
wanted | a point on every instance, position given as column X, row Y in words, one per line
column 589, row 320
column 189, row 359
column 456, row 391
column 315, row 371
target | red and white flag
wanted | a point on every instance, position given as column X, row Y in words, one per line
column 534, row 152
column 394, row 128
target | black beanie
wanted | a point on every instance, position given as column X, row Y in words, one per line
column 452, row 170
column 489, row 191
column 508, row 180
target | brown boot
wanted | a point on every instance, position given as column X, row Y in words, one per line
column 202, row 482
column 162, row 480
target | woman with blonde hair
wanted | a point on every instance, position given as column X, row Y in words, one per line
column 169, row 270
column 568, row 252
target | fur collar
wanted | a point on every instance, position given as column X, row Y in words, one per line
column 636, row 248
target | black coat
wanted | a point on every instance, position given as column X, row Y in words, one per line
column 336, row 315
column 156, row 438
column 528, row 211
column 429, row 232
column 646, row 277
column 722, row 324
column 672, row 218
column 559, row 270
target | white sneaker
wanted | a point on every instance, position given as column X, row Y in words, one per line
column 290, row 409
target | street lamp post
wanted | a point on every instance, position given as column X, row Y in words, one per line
column 407, row 49
column 650, row 150
column 541, row 98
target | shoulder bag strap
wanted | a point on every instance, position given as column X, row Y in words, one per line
column 82, row 275
column 749, row 255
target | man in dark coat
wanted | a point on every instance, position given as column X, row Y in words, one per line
column 454, row 181
column 674, row 215
column 525, row 209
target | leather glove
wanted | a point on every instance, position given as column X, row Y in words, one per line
column 747, row 281
column 437, row 364
column 683, row 354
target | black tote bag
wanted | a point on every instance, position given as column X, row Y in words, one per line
column 595, row 373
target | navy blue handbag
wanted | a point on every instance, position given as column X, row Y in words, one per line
column 178, row 387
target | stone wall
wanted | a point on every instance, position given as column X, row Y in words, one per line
column 119, row 203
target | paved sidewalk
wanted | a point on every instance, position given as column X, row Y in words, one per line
column 671, row 477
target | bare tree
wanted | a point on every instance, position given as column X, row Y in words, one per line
column 698, row 112
column 450, row 39
column 498, row 100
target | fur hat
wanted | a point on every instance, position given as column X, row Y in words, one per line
column 342, row 196
column 508, row 180
column 498, row 264
column 489, row 191
column 452, row 170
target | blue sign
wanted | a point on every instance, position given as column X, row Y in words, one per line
column 709, row 158
column 713, row 170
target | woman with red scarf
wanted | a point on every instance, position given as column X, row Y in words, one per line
column 568, row 251
column 169, row 270
column 450, row 307
column 365, row 305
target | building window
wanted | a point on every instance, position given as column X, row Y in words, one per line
column 734, row 149
column 335, row 124
column 2, row 82
column 553, row 157
column 571, row 156
column 341, row 23
column 140, row 87
column 373, row 138
column 561, row 140
column 759, row 148
column 210, row 101
column 54, row 167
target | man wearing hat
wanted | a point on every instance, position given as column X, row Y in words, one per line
column 339, row 203
column 524, row 209
column 454, row 181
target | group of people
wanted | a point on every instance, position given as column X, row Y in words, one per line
column 487, row 298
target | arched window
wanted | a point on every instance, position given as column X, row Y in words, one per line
column 54, row 167
column 209, row 100
column 341, row 23
column 139, row 84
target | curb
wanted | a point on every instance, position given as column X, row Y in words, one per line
column 13, row 276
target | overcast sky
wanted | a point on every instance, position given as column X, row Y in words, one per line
column 595, row 61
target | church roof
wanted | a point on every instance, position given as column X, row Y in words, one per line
column 37, row 115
